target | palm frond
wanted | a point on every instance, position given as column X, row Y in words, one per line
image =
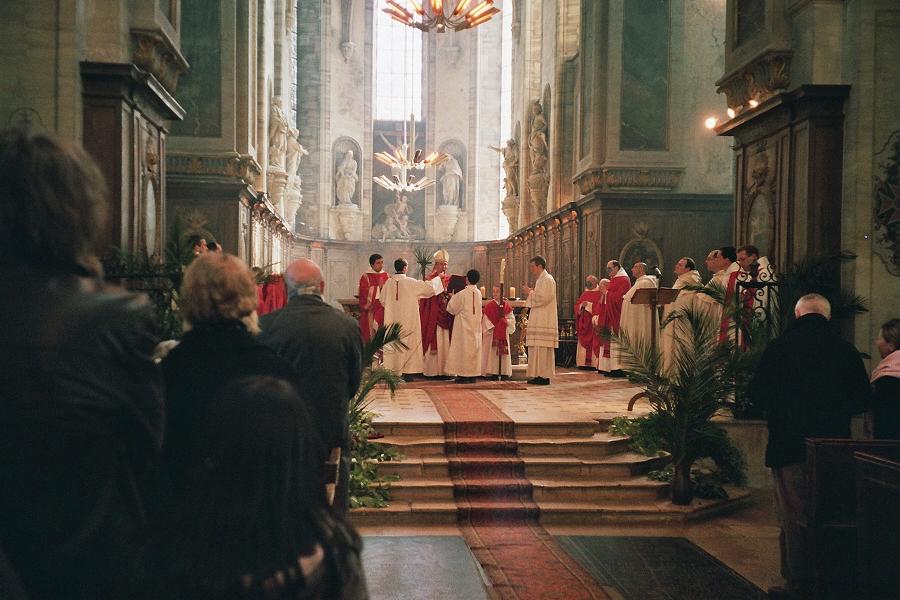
column 384, row 337
column 371, row 379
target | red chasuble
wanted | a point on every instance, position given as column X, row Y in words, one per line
column 600, row 312
column 496, row 314
column 433, row 314
column 583, row 325
column 618, row 287
column 371, row 312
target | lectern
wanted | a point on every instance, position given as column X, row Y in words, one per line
column 652, row 298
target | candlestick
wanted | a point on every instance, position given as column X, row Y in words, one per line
column 502, row 271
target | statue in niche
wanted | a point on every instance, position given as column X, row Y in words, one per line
column 760, row 194
column 537, row 139
column 510, row 166
column 345, row 179
column 295, row 152
column 278, row 133
column 451, row 181
column 396, row 221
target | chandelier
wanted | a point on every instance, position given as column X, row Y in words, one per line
column 437, row 14
column 403, row 160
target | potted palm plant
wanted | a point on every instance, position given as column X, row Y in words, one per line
column 367, row 488
column 685, row 394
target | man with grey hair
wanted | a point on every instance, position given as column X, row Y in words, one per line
column 324, row 346
column 810, row 382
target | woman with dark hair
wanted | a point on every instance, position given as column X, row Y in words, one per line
column 218, row 305
column 253, row 521
column 886, row 383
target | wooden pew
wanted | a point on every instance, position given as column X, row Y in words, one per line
column 832, row 512
column 878, row 525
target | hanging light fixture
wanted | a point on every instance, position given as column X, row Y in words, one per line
column 438, row 14
column 402, row 160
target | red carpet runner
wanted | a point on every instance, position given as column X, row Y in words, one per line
column 497, row 514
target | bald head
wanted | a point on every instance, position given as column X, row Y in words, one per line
column 813, row 304
column 590, row 282
column 639, row 269
column 304, row 277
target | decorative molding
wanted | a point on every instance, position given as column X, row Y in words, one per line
column 644, row 178
column 764, row 76
column 244, row 168
column 155, row 53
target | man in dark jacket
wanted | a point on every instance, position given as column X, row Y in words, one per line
column 810, row 382
column 324, row 346
column 81, row 413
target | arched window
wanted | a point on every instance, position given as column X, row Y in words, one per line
column 397, row 68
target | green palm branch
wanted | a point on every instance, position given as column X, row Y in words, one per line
column 422, row 255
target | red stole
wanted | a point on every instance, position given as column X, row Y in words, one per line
column 496, row 314
column 601, row 314
column 433, row 314
column 583, row 326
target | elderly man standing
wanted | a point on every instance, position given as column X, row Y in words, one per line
column 542, row 334
column 637, row 319
column 687, row 275
column 324, row 346
column 400, row 296
column 810, row 382
column 584, row 312
column 619, row 284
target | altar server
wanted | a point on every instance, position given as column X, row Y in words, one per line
column 464, row 359
column 542, row 334
column 498, row 322
column 400, row 296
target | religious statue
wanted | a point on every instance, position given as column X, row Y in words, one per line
column 537, row 139
column 396, row 222
column 345, row 179
column 451, row 181
column 278, row 132
column 510, row 166
column 295, row 152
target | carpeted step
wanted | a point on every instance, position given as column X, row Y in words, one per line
column 492, row 490
column 486, row 466
column 481, row 446
column 482, row 512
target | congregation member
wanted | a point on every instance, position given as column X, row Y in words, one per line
column 400, row 296
column 584, row 328
column 214, row 247
column 806, row 393
column 81, row 413
column 465, row 344
column 686, row 275
column 255, row 521
column 637, row 319
column 886, row 383
column 218, row 306
column 543, row 324
column 619, row 283
column 324, row 347
column 371, row 312
column 437, row 323
column 198, row 245
column 497, row 324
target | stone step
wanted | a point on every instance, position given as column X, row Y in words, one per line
column 625, row 491
column 408, row 428
column 407, row 513
column 567, row 428
column 595, row 446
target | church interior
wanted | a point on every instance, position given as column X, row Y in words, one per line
column 487, row 133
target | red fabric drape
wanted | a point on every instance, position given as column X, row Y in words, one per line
column 497, row 314
column 272, row 295
column 433, row 314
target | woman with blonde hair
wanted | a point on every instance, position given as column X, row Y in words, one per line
column 218, row 306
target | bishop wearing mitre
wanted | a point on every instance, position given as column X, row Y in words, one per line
column 637, row 319
column 584, row 327
column 496, row 325
column 465, row 345
column 686, row 275
column 437, row 323
column 400, row 296
column 371, row 312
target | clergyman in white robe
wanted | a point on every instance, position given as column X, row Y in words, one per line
column 465, row 343
column 400, row 298
column 637, row 319
column 542, row 332
column 677, row 328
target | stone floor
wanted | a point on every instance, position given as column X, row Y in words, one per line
column 745, row 540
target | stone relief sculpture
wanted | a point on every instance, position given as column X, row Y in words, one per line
column 451, row 181
column 539, row 180
column 278, row 133
column 510, row 156
column 397, row 219
column 345, row 179
column 295, row 152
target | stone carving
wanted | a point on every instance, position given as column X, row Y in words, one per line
column 759, row 202
column 539, row 180
column 649, row 178
column 295, row 152
column 886, row 232
column 510, row 166
column 153, row 53
column 765, row 76
column 244, row 168
column 396, row 222
column 451, row 182
column 347, row 46
column 345, row 179
column 278, row 134
column 641, row 248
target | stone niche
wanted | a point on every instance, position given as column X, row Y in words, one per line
column 345, row 213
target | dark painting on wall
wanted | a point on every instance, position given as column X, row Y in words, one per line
column 199, row 90
column 645, row 76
